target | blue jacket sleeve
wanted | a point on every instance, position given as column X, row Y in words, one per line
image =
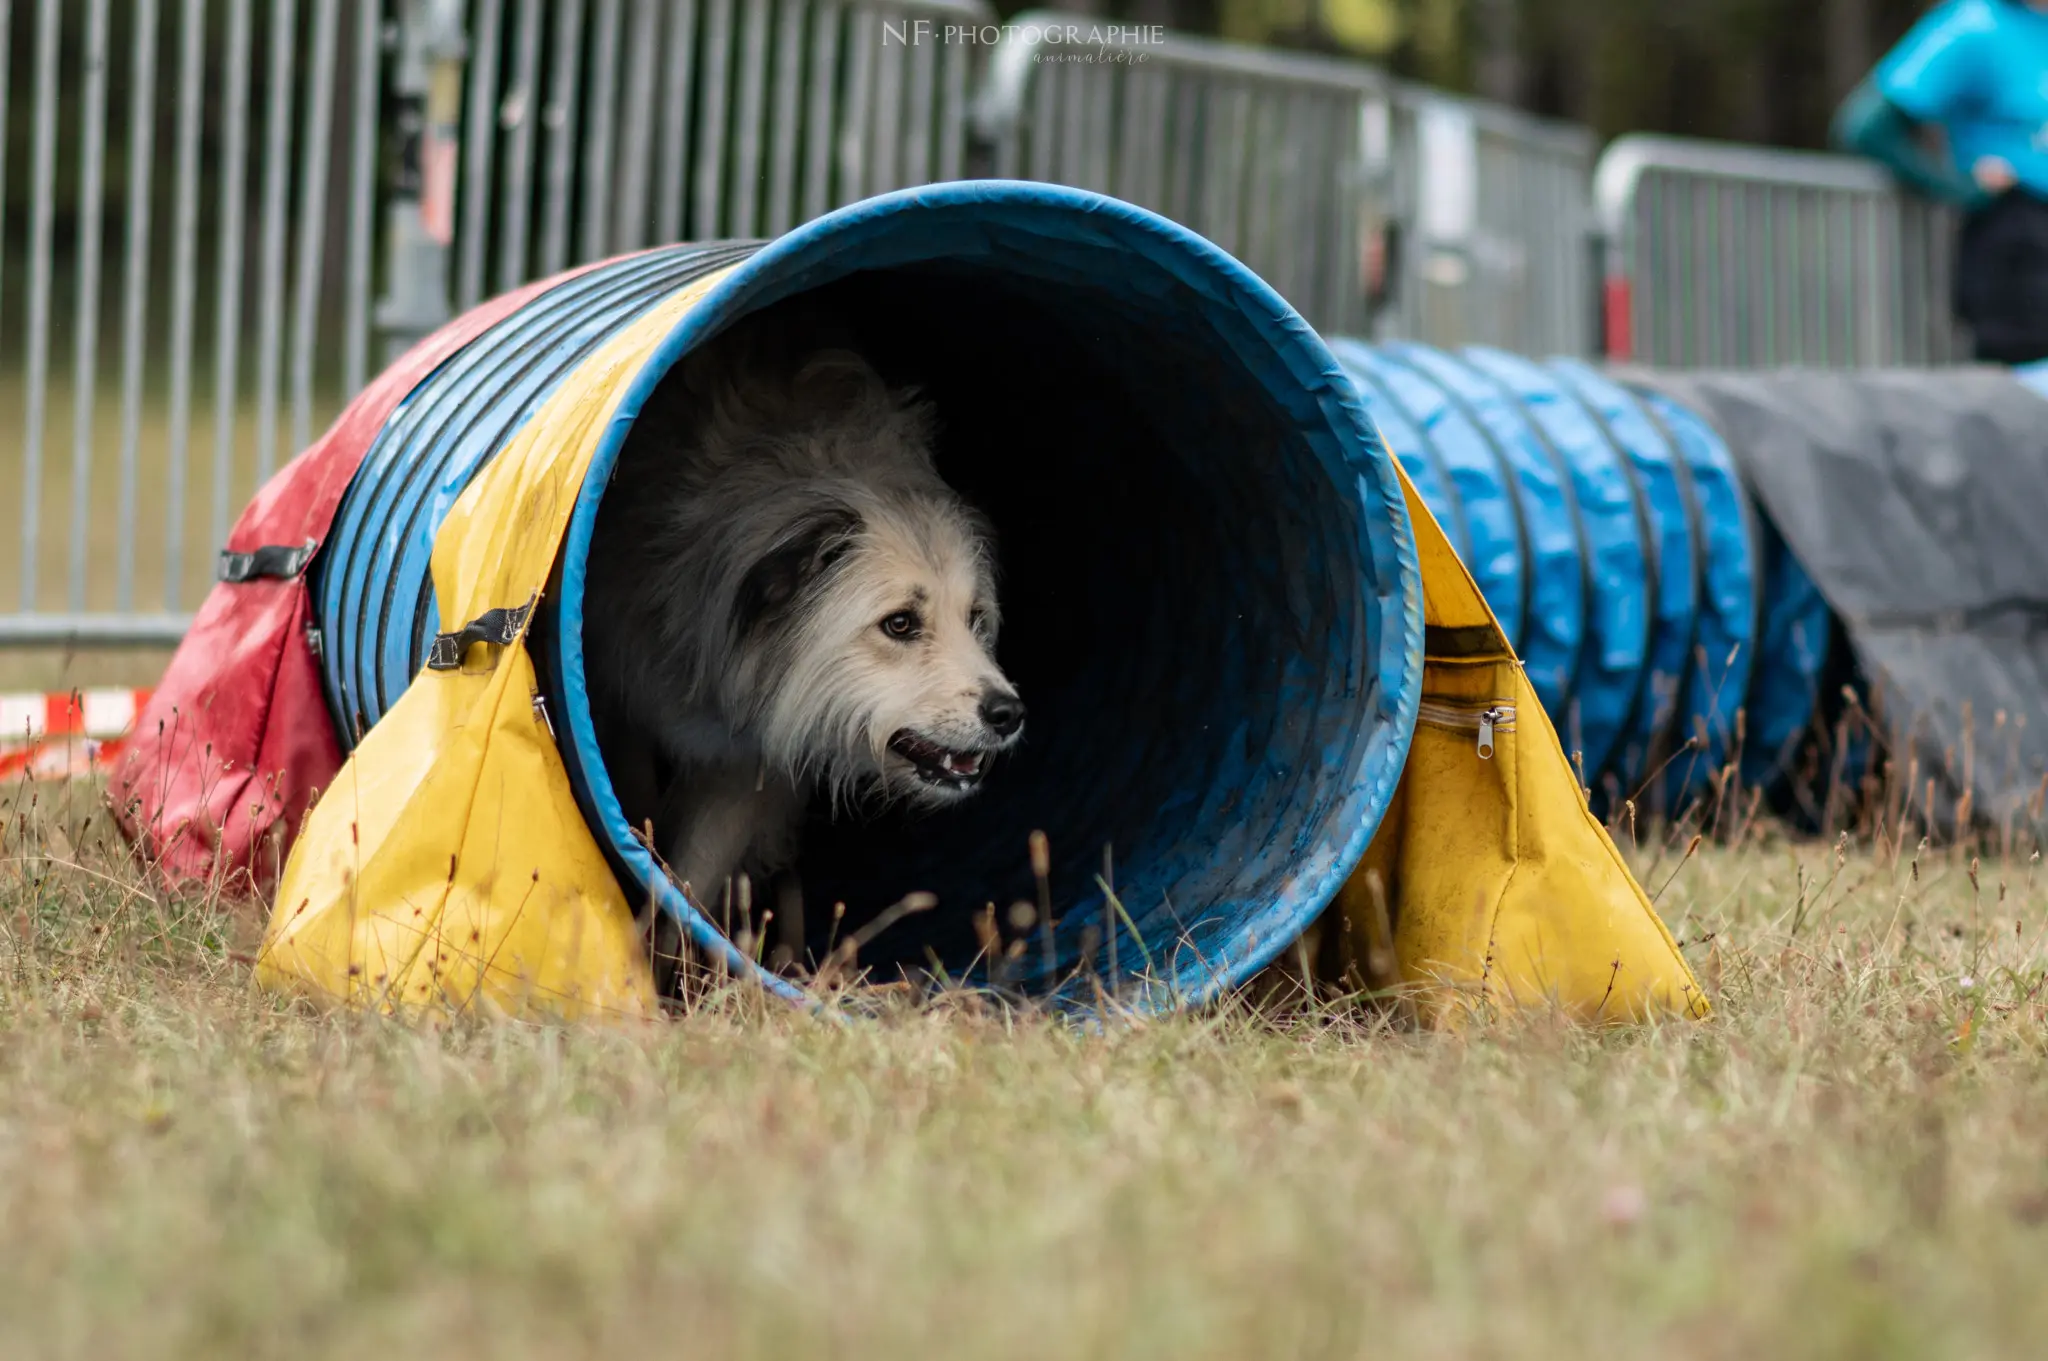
column 1871, row 125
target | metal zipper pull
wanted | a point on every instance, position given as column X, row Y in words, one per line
column 1485, row 720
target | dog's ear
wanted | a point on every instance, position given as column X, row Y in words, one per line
column 802, row 554
column 835, row 385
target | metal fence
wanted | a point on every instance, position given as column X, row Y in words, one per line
column 184, row 260
column 595, row 127
column 1735, row 256
column 1375, row 207
column 198, row 197
column 212, row 210
column 1495, row 204
column 1258, row 151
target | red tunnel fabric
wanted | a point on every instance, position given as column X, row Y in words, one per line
column 236, row 741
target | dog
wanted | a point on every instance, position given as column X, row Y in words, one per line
column 783, row 599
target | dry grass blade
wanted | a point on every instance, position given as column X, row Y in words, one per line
column 1844, row 1161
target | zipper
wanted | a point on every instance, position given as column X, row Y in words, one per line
column 1482, row 719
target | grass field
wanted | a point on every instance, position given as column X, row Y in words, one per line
column 1847, row 1161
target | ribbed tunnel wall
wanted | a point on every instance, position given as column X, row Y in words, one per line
column 1608, row 526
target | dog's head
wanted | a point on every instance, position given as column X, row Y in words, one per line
column 871, row 622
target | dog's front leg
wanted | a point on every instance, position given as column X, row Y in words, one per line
column 721, row 821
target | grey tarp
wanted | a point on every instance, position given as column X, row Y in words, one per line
column 1918, row 502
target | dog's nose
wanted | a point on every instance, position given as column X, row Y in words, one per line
column 1003, row 712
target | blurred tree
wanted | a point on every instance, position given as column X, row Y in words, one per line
column 1749, row 70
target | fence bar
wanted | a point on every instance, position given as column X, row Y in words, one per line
column 228, row 314
column 598, row 140
column 42, row 213
column 1138, row 158
column 952, row 110
column 479, row 141
column 276, row 216
column 786, row 121
column 421, row 209
column 362, row 197
column 746, row 135
column 1229, row 117
column 713, row 63
column 1072, row 112
column 672, row 189
column 135, row 285
column 6, row 66
column 91, row 216
column 856, row 114
column 564, row 92
column 313, row 218
column 884, row 127
column 519, row 112
column 917, row 136
column 636, row 152
column 184, row 290
column 818, row 126
column 1185, row 196
column 92, row 630
column 1098, row 104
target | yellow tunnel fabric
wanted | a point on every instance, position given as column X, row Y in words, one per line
column 449, row 868
column 1501, row 888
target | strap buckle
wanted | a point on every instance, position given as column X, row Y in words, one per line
column 499, row 627
column 279, row 561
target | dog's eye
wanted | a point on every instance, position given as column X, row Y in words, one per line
column 901, row 625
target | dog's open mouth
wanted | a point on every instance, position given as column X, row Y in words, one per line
column 939, row 765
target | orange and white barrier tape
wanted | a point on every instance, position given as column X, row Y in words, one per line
column 54, row 737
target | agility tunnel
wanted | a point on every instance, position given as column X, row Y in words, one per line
column 1662, row 621
column 1725, row 557
column 1222, row 655
column 1260, row 681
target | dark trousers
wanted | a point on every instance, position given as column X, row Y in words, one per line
column 2002, row 279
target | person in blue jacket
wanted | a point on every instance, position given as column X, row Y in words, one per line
column 1977, row 72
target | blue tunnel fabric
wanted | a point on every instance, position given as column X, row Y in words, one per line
column 1666, row 491
column 372, row 589
column 1554, row 625
column 1469, row 463
column 1417, row 455
column 1621, row 566
column 1733, row 639
column 1792, row 653
column 1238, row 722
column 1717, row 679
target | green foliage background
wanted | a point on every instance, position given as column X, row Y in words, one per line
column 1748, row 70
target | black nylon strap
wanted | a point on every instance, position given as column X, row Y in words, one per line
column 1475, row 640
column 279, row 561
column 499, row 627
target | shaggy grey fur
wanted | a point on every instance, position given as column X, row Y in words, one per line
column 774, row 520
